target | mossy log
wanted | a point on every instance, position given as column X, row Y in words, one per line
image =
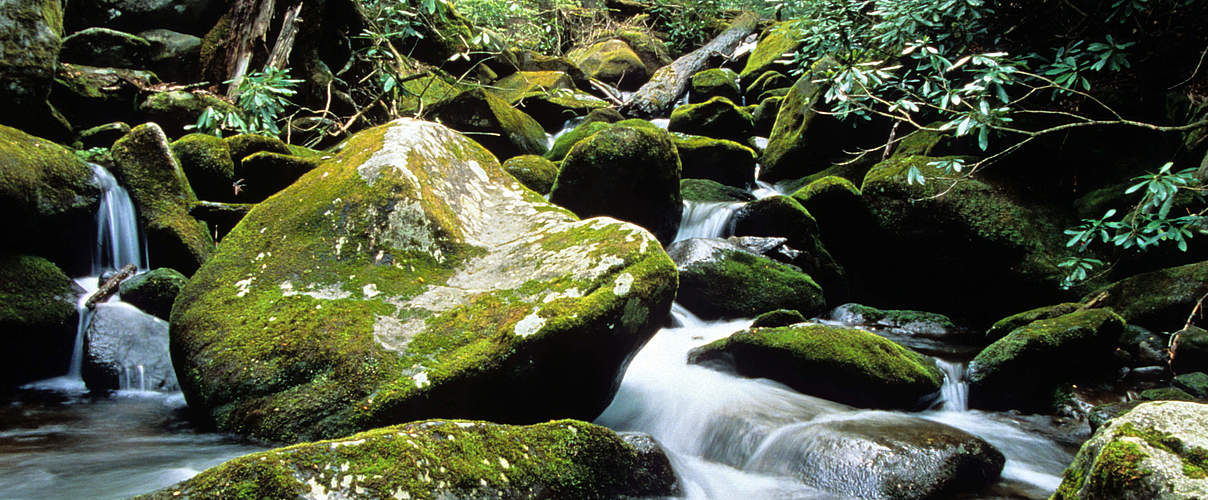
column 658, row 95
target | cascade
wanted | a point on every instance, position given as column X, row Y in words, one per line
column 954, row 395
column 706, row 219
column 117, row 240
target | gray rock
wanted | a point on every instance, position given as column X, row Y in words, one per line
column 125, row 348
column 29, row 53
column 173, row 56
column 719, row 279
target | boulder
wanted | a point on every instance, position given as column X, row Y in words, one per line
column 528, row 60
column 612, row 62
column 553, row 109
column 922, row 323
column 125, row 348
column 106, row 48
column 187, row 16
column 1191, row 350
column 844, row 219
column 29, row 53
column 102, row 136
column 778, row 317
column 842, row 364
column 1157, row 450
column 409, row 276
column 244, row 145
column 173, row 110
column 265, row 173
column 1195, row 383
column 593, row 123
column 721, row 280
column 153, row 291
column 219, row 217
column 782, row 216
column 764, row 117
column 1139, row 347
column 769, row 80
column 500, row 128
column 1021, row 370
column 1158, row 300
column 727, row 162
column 535, row 172
column 629, row 173
column 718, row 118
column 49, row 196
column 706, row 190
column 38, row 319
column 1008, row 324
column 173, row 56
column 776, row 41
column 514, row 86
column 438, row 459
column 802, row 140
column 92, row 96
column 884, row 456
column 206, row 162
column 714, row 82
column 144, row 164
column 649, row 48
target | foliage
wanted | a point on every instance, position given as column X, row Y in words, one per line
column 262, row 98
column 526, row 24
column 687, row 21
column 93, row 155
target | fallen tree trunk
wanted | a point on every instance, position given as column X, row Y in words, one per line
column 658, row 95
column 109, row 287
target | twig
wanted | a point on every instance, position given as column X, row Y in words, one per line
column 1193, row 73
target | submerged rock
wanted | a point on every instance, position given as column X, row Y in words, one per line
column 153, row 291
column 38, row 319
column 408, row 277
column 125, row 348
column 719, row 279
column 441, row 459
column 847, row 365
column 879, row 455
column 1157, row 450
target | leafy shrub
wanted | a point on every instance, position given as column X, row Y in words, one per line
column 262, row 98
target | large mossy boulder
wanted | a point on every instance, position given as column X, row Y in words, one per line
column 206, row 162
column 439, row 459
column 782, row 216
column 38, row 319
column 1008, row 324
column 590, row 126
column 727, row 162
column 106, row 48
column 776, row 41
column 535, row 172
column 649, row 48
column 882, row 455
column 630, row 173
column 49, row 197
column 1022, row 370
column 802, row 139
column 514, row 86
column 407, row 277
column 721, row 280
column 718, row 118
column 1157, row 450
column 707, row 190
column 153, row 291
column 500, row 128
column 754, row 91
column 29, row 53
column 714, row 82
column 613, row 62
column 1158, row 300
column 842, row 364
column 145, row 165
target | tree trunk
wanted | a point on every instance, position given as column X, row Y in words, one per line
column 657, row 96
column 109, row 287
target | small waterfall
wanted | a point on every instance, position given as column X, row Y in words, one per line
column 566, row 127
column 955, row 391
column 117, row 240
column 706, row 219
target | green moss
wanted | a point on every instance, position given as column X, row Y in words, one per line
column 611, row 61
column 39, row 178
column 825, row 186
column 709, row 190
column 33, row 291
column 738, row 284
column 779, row 39
column 497, row 126
column 801, row 140
column 206, row 161
column 1157, row 300
column 767, row 81
column 1166, row 394
column 535, row 172
column 1118, row 467
column 718, row 118
column 512, row 87
column 778, row 317
column 871, row 315
column 651, row 50
column 243, row 145
column 153, row 291
column 715, row 82
column 1008, row 324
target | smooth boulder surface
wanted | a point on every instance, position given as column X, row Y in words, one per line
column 878, row 455
column 408, row 277
column 1157, row 450
column 443, row 459
column 125, row 348
column 153, row 291
column 719, row 279
column 842, row 364
column 630, row 173
column 38, row 319
column 1022, row 370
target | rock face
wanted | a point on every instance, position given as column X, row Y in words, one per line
column 841, row 364
column 502, row 129
column 1159, row 300
column 438, row 459
column 882, row 456
column 125, row 348
column 153, row 291
column 38, row 319
column 407, row 277
column 144, row 163
column 629, row 173
column 29, row 51
column 1022, row 370
column 721, row 280
column 1157, row 450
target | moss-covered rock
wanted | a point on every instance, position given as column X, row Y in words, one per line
column 219, row 217
column 718, row 118
column 1158, row 300
column 1157, row 450
column 1191, row 350
column 500, row 128
column 49, row 197
column 437, row 459
column 37, row 319
column 721, row 280
column 707, row 190
column 1008, row 324
column 265, row 173
column 630, row 173
column 782, row 216
column 173, row 110
column 801, row 140
column 1195, row 383
column 206, row 162
column 245, row 145
column 727, row 162
column 714, row 82
column 769, row 80
column 841, row 364
column 173, row 56
column 535, row 172
column 153, row 291
column 764, row 116
column 101, row 136
column 105, row 47
column 410, row 276
column 528, row 60
column 514, row 86
column 917, row 322
column 564, row 142
column 778, row 317
column 843, row 216
column 30, row 46
column 652, row 51
column 144, row 164
column 1022, row 370
column 424, row 91
column 776, row 41
column 91, row 96
column 553, row 109
column 613, row 62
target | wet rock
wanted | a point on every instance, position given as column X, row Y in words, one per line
column 764, row 116
column 206, row 162
column 1152, row 373
column 842, row 364
column 1139, row 347
column 244, row 145
column 1008, row 324
column 30, row 43
column 535, row 172
column 500, row 128
column 632, row 174
column 144, row 164
column 1157, row 450
column 173, row 110
column 773, row 248
column 220, row 217
column 721, row 280
column 1195, row 384
column 107, row 48
column 715, row 82
column 1191, row 350
column 187, row 16
column 727, row 162
column 173, row 56
column 410, row 276
column 718, row 118
column 919, row 323
column 706, row 190
column 514, row 86
column 448, row 459
column 884, row 456
column 590, row 126
column 782, row 216
column 38, row 318
column 612, row 62
column 125, row 348
column 1022, row 369
column 779, row 317
column 649, row 48
column 1158, row 300
column 153, row 291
